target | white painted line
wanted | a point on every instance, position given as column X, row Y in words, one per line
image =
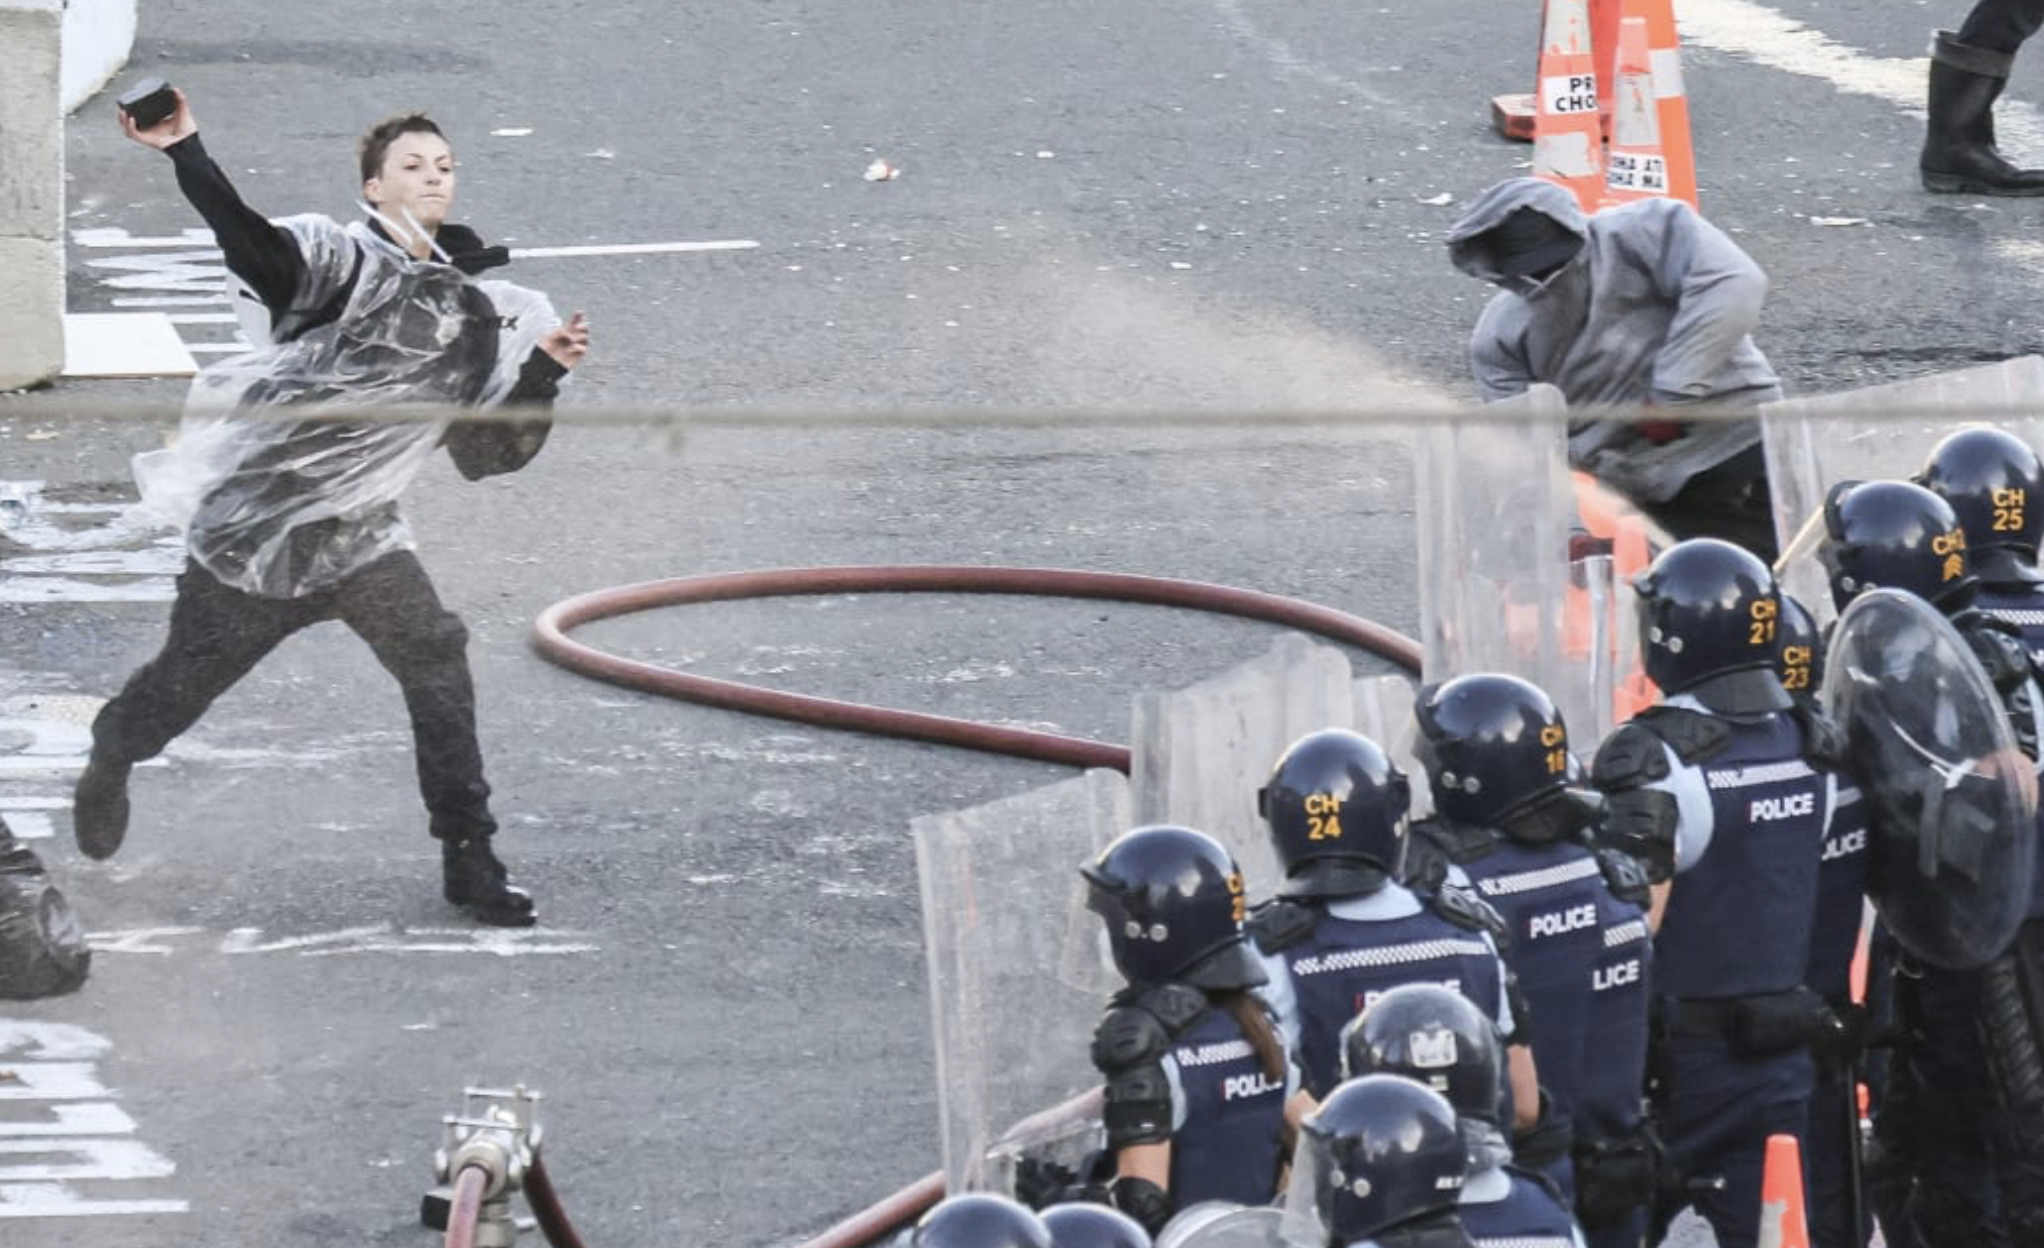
column 138, row 939
column 1760, row 34
column 54, row 1200
column 204, row 318
column 56, row 1042
column 89, row 1159
column 40, row 589
column 124, row 344
column 91, row 1118
column 51, row 1081
column 114, row 236
column 246, row 939
column 27, row 825
column 630, row 249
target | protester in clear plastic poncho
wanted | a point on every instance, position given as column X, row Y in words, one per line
column 292, row 521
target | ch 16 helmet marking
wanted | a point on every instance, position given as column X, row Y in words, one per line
column 1493, row 745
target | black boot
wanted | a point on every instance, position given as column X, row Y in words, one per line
column 475, row 879
column 99, row 807
column 1959, row 155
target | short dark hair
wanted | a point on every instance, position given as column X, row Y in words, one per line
column 376, row 144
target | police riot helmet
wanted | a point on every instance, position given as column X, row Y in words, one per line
column 1174, row 904
column 1801, row 649
column 1381, row 1151
column 1083, row 1224
column 1894, row 535
column 1493, row 746
column 1709, row 613
column 1435, row 1036
column 979, row 1220
column 1989, row 477
column 1337, row 808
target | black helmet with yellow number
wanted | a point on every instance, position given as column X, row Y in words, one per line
column 1709, row 613
column 1894, row 535
column 1337, row 809
column 1174, row 904
column 1995, row 485
column 1493, row 746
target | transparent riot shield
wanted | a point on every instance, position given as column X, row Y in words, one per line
column 1018, row 975
column 1879, row 433
column 1951, row 801
column 1496, row 509
column 1384, row 715
column 1200, row 753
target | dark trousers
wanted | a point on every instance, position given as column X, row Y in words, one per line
column 2001, row 25
column 1731, row 501
column 1716, row 1115
column 218, row 633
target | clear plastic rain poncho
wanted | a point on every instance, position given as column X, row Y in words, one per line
column 283, row 507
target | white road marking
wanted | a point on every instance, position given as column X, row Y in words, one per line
column 631, row 249
column 87, row 1159
column 54, row 1200
column 373, row 938
column 56, row 1042
column 78, row 1135
column 92, row 1118
column 51, row 1081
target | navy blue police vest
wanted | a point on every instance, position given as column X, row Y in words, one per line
column 1548, row 895
column 1621, row 990
column 1528, row 1217
column 1344, row 964
column 1738, row 922
column 1841, row 897
column 1228, row 1146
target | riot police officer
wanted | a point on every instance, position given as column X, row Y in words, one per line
column 1989, row 478
column 1380, row 1162
column 1343, row 929
column 1964, row 1105
column 1838, row 1218
column 1434, row 1036
column 1199, row 1081
column 1724, row 795
column 1506, row 821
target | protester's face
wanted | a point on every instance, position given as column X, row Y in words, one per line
column 417, row 177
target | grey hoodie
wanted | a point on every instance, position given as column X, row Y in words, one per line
column 1658, row 307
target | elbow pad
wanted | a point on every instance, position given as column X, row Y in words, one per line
column 1128, row 1048
column 1638, row 820
column 1142, row 1200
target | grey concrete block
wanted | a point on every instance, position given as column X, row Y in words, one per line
column 31, row 120
column 1200, row 754
column 31, row 311
column 1017, row 972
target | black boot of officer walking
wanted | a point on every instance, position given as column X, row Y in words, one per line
column 1959, row 155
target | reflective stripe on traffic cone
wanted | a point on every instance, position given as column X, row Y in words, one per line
column 1782, row 1223
column 1664, row 52
column 1638, row 168
column 1568, row 137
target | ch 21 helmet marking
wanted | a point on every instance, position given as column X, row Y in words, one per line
column 979, row 1220
column 1995, row 486
column 1493, row 745
column 1434, row 1036
column 1709, row 615
column 1893, row 535
column 1174, row 903
column 1380, row 1152
column 1337, row 808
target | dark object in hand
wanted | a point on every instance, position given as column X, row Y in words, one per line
column 149, row 103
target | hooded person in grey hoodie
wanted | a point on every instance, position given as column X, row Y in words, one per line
column 1643, row 306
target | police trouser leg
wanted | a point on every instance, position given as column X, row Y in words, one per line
column 2001, row 25
column 391, row 604
column 1717, row 1117
column 2012, row 1034
column 217, row 633
column 1829, row 1157
column 1936, row 1115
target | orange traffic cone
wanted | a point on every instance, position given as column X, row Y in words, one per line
column 1512, row 116
column 1782, row 1224
column 1568, row 138
column 1664, row 52
column 1638, row 168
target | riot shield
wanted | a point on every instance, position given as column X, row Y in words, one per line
column 1018, row 973
column 1879, row 433
column 1217, row 1224
column 1950, row 806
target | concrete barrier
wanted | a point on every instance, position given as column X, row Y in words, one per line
column 98, row 36
column 1384, row 714
column 1880, row 432
column 31, row 194
column 1200, row 754
column 1018, row 976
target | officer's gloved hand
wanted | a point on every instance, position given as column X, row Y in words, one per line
column 1040, row 1182
column 1841, row 1041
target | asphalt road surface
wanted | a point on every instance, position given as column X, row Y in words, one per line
column 1200, row 206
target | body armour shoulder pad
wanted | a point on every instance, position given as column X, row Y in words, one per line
column 1625, row 876
column 1998, row 646
column 1461, row 842
column 1694, row 736
column 1128, row 1036
column 1278, row 925
column 1824, row 739
column 1177, row 1006
column 1468, row 911
column 1630, row 757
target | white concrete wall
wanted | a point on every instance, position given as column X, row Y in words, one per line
column 31, row 193
column 98, row 35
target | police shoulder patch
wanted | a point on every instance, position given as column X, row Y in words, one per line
column 1278, row 925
